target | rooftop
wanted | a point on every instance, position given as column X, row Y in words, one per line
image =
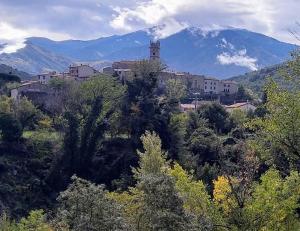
column 237, row 105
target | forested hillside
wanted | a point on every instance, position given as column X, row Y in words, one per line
column 257, row 80
column 112, row 156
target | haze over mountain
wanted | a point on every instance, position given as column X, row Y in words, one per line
column 220, row 53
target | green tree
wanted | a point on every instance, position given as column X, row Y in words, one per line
column 175, row 90
column 275, row 202
column 243, row 94
column 238, row 117
column 163, row 208
column 153, row 160
column 216, row 116
column 279, row 130
column 36, row 221
column 85, row 207
column 26, row 112
column 11, row 129
column 196, row 199
column 142, row 109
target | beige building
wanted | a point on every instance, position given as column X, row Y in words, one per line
column 211, row 86
column 228, row 87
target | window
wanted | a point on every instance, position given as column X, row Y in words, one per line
column 205, row 82
column 210, row 88
column 205, row 87
column 214, row 88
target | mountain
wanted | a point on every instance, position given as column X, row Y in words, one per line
column 35, row 59
column 219, row 53
column 4, row 69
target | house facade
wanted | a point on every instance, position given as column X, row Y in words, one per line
column 81, row 72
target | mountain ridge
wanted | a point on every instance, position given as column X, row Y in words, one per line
column 221, row 53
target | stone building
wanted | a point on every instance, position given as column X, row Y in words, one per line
column 44, row 78
column 81, row 72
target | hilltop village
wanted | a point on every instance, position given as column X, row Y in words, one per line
column 201, row 88
column 123, row 69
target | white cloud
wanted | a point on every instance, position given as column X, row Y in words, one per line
column 239, row 58
column 271, row 17
column 169, row 27
column 11, row 39
column 77, row 19
column 226, row 44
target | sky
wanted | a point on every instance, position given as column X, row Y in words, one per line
column 89, row 19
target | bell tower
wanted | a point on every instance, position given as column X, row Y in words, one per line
column 154, row 50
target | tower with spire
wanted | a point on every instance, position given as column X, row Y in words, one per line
column 155, row 50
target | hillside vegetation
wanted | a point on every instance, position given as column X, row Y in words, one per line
column 110, row 156
column 257, row 80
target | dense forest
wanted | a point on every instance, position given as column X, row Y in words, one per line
column 115, row 156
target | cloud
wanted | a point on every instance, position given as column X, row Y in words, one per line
column 239, row 58
column 89, row 19
column 271, row 17
column 11, row 39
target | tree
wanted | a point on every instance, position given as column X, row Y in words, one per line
column 36, row 221
column 26, row 112
column 243, row 94
column 216, row 116
column 196, row 199
column 153, row 160
column 11, row 129
column 204, row 145
column 238, row 117
column 175, row 90
column 85, row 207
column 163, row 208
column 275, row 202
column 279, row 129
column 154, row 203
column 23, row 110
column 142, row 109
column 86, row 122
